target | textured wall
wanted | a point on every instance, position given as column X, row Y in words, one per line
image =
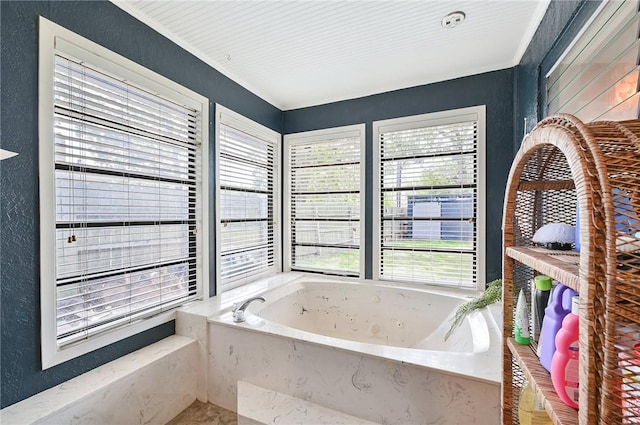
column 494, row 89
column 106, row 24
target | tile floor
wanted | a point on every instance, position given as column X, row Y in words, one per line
column 200, row 413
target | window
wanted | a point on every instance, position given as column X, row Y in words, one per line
column 121, row 185
column 325, row 183
column 597, row 77
column 429, row 198
column 247, row 199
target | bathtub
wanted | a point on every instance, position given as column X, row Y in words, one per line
column 333, row 342
column 393, row 322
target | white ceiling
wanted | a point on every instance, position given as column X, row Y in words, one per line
column 299, row 53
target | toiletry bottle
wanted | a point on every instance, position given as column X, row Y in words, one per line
column 530, row 409
column 559, row 306
column 565, row 371
column 543, row 290
column 521, row 325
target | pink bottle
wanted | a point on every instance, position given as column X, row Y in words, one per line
column 558, row 308
column 565, row 373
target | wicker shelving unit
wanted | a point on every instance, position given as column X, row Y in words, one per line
column 564, row 164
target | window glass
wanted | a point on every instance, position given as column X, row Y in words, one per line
column 123, row 193
column 125, row 184
column 325, row 202
column 247, row 199
column 597, row 77
column 428, row 199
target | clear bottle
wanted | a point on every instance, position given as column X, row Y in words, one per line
column 530, row 409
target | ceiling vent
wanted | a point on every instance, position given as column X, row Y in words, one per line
column 453, row 19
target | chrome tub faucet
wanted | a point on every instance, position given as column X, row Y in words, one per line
column 239, row 308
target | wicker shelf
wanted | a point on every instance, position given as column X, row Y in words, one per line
column 560, row 265
column 564, row 165
column 540, row 380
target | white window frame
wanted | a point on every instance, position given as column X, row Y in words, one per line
column 54, row 38
column 357, row 130
column 233, row 119
column 424, row 120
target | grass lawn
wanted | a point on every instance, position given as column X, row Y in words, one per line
column 432, row 267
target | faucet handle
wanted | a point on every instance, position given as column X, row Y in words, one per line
column 239, row 308
column 238, row 315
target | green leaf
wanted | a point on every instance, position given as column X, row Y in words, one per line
column 492, row 294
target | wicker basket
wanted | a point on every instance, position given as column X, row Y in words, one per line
column 564, row 163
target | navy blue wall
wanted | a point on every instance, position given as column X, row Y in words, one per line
column 108, row 25
column 493, row 89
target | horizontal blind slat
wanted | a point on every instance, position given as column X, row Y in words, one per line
column 123, row 156
column 325, row 184
column 246, row 178
column 610, row 20
column 600, row 70
column 426, row 173
column 84, row 90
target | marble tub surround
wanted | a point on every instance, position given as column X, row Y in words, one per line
column 456, row 382
column 394, row 322
column 194, row 326
column 219, row 303
column 260, row 406
column 149, row 386
column 367, row 387
column 192, row 319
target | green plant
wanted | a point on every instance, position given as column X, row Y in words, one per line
column 492, row 294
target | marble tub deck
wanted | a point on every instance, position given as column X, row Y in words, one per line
column 200, row 413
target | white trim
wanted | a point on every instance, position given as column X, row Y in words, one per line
column 481, row 219
column 534, row 22
column 224, row 115
column 425, row 120
column 452, row 116
column 50, row 353
column 52, row 38
column 356, row 130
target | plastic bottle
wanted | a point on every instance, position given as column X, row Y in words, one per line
column 521, row 323
column 543, row 290
column 559, row 306
column 565, row 371
column 530, row 410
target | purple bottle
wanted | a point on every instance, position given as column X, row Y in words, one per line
column 559, row 306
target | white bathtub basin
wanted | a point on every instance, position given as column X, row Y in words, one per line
column 402, row 324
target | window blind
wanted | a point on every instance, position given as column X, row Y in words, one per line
column 597, row 78
column 246, row 210
column 428, row 199
column 125, row 196
column 325, row 202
